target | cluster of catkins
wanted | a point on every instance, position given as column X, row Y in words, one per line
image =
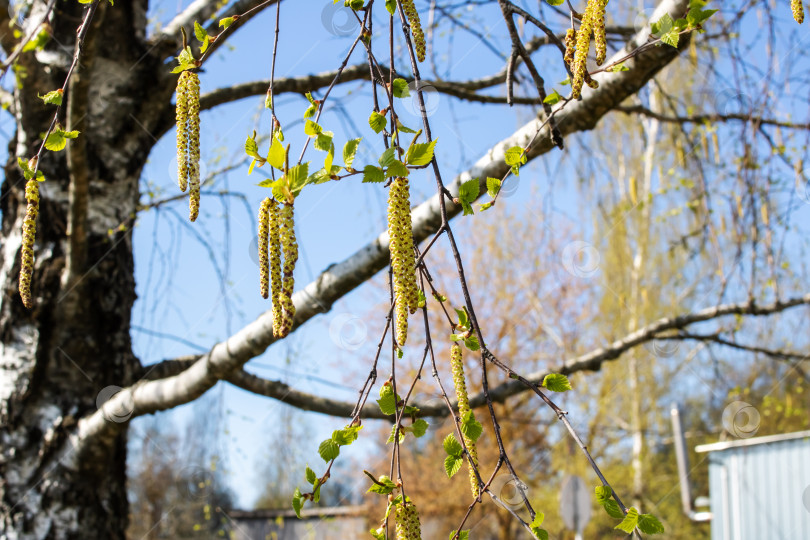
column 798, row 10
column 188, row 139
column 407, row 520
column 463, row 408
column 403, row 262
column 277, row 237
column 416, row 28
column 578, row 43
column 29, row 232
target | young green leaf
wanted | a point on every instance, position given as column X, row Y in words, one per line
column 311, row 128
column 452, row 464
column 391, row 6
column 419, row 427
column 471, row 427
column 226, row 22
column 276, row 155
column 400, row 433
column 387, row 157
column 493, row 186
column 629, row 522
column 463, row 318
column 297, row 177
column 297, row 502
column 452, row 446
column 347, row 435
column 467, row 193
column 57, row 140
column 556, row 382
column 420, row 153
column 311, row 476
column 349, row 151
column 472, row 342
column 515, row 157
column 400, row 88
column 463, row 535
column 536, row 528
column 387, row 486
column 649, row 524
column 54, row 97
column 323, row 142
column 396, row 168
column 372, row 174
column 377, row 122
column 388, row 404
column 329, row 450
column 553, row 98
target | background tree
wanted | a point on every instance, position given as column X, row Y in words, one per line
column 64, row 430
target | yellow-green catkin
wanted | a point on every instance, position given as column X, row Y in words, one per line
column 289, row 247
column 416, row 28
column 407, row 520
column 598, row 23
column 457, row 366
column 29, row 232
column 403, row 262
column 570, row 45
column 275, row 264
column 264, row 233
column 181, row 115
column 193, row 147
column 187, row 114
column 593, row 22
column 798, row 10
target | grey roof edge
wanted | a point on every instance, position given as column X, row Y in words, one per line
column 714, row 447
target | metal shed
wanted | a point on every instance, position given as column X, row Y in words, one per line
column 760, row 487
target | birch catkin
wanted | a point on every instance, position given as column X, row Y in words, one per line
column 797, row 7
column 289, row 247
column 416, row 28
column 181, row 116
column 593, row 23
column 187, row 114
column 275, row 265
column 407, row 520
column 406, row 292
column 29, row 232
column 457, row 365
column 264, row 233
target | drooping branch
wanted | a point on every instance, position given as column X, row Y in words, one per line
column 338, row 280
column 590, row 361
column 710, row 118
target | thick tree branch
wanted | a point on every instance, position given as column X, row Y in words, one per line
column 710, row 118
column 590, row 361
column 201, row 11
column 338, row 280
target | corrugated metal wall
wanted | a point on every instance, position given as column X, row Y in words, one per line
column 756, row 491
